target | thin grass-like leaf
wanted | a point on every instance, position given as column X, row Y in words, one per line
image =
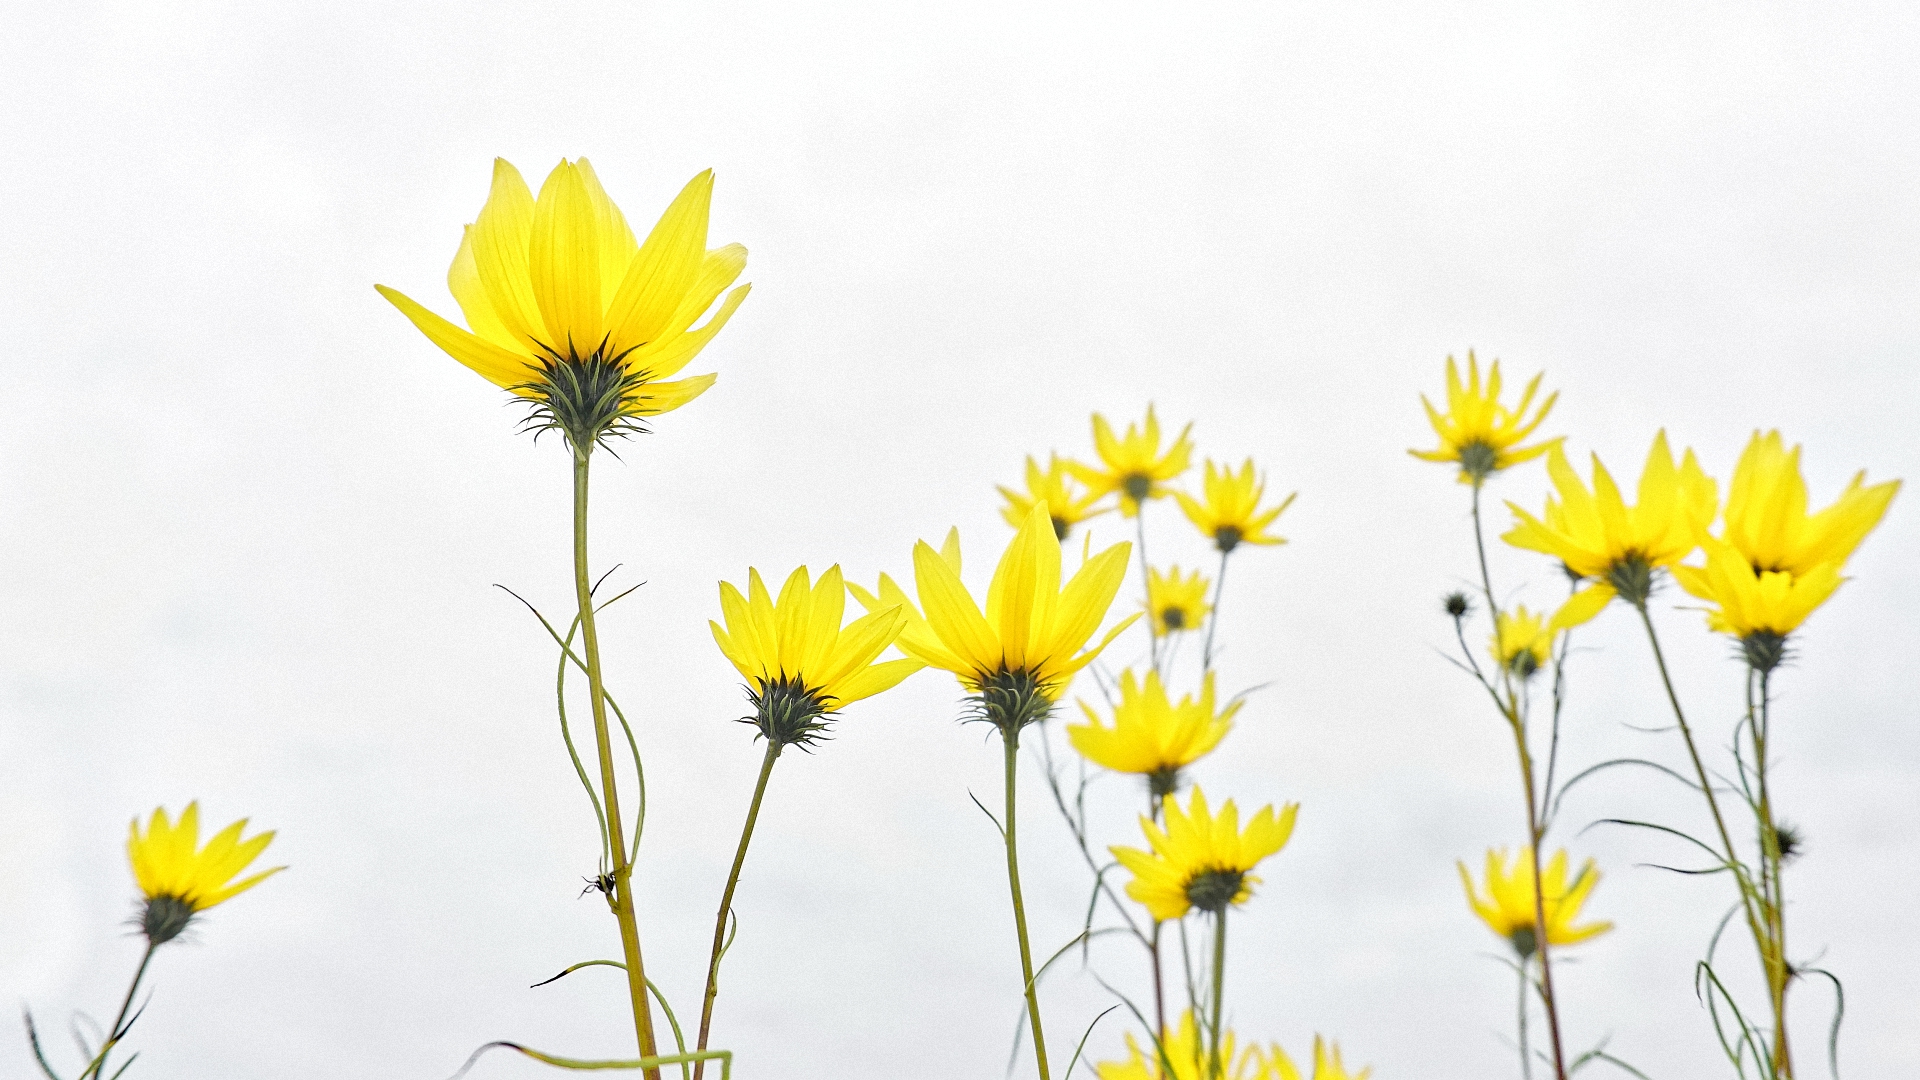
column 1839, row 1013
column 990, row 817
column 1078, row 1050
column 33, row 1040
column 725, row 1057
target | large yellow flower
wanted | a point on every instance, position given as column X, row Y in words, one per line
column 1508, row 908
column 1150, row 735
column 1479, row 432
column 1053, row 488
column 1767, row 519
column 1231, row 514
column 799, row 662
column 1135, row 466
column 1597, row 535
column 1202, row 859
column 1187, row 1058
column 564, row 307
column 179, row 878
column 1019, row 654
column 1176, row 602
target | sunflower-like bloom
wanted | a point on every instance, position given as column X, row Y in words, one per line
column 1187, row 1058
column 1231, row 514
column 1135, row 466
column 1767, row 520
column 1151, row 736
column 1754, row 602
column 1522, row 641
column 179, row 878
column 1019, row 654
column 1479, row 432
column 1176, row 603
column 566, row 309
column 800, row 664
column 1052, row 487
column 1508, row 908
column 1201, row 860
column 1597, row 535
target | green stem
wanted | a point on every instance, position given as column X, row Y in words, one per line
column 114, row 1033
column 622, row 900
column 1526, row 1062
column 1154, row 803
column 726, row 900
column 1213, row 618
column 1480, row 547
column 1219, row 1067
column 1011, row 741
column 1772, row 898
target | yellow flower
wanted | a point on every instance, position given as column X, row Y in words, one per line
column 1231, row 516
column 1150, row 735
column 1759, row 607
column 1327, row 1064
column 1186, row 1053
column 1479, row 432
column 799, row 662
column 1135, row 467
column 1176, row 603
column 1599, row 536
column 1050, row 487
column 1202, row 859
column 1522, row 641
column 179, row 878
column 1508, row 908
column 566, row 309
column 1020, row 653
column 1767, row 519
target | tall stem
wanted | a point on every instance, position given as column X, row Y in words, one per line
column 1480, row 548
column 1217, row 1067
column 114, row 1032
column 1526, row 1055
column 1772, row 896
column 1011, row 741
column 1146, row 582
column 726, row 902
column 609, row 791
column 1213, row 619
column 1154, row 803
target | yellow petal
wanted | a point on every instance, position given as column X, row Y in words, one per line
column 495, row 364
column 502, row 238
column 564, row 263
column 663, row 270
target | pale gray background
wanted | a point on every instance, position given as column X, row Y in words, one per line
column 251, row 518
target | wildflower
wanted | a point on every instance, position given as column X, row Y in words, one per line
column 1150, row 735
column 1766, row 515
column 1522, row 641
column 1758, row 607
column 567, row 310
column 1050, row 487
column 179, row 878
column 1201, row 860
column 1176, row 603
column 1135, row 467
column 1479, row 432
column 1456, row 605
column 1508, row 908
column 800, row 664
column 1231, row 515
column 1598, row 536
column 1183, row 1055
column 1019, row 654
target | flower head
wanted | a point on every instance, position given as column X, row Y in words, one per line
column 1767, row 520
column 1755, row 605
column 1176, row 603
column 1135, row 466
column 1150, row 735
column 800, row 664
column 566, row 309
column 179, row 878
column 1508, row 908
column 1599, row 536
column 1201, row 860
column 1184, row 1055
column 1018, row 655
column 1522, row 640
column 1479, row 432
column 1231, row 514
column 1053, row 487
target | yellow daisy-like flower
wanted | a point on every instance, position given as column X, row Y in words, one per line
column 1759, row 607
column 800, row 664
column 565, row 308
column 1522, row 641
column 1019, row 654
column 1176, row 603
column 1231, row 514
column 1597, row 535
column 1135, row 466
column 1150, row 735
column 1766, row 515
column 1479, row 432
column 1187, row 1058
column 1508, row 908
column 1201, row 860
column 1053, row 488
column 179, row 878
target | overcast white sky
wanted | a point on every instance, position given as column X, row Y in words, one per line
column 252, row 519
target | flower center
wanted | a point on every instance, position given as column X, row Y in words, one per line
column 1631, row 575
column 1212, row 890
column 788, row 712
column 1173, row 618
column 1137, row 486
column 165, row 917
column 1010, row 700
column 588, row 399
column 1478, row 459
column 1526, row 941
column 1163, row 781
column 1763, row 650
column 1226, row 538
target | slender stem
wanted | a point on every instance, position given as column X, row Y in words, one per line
column 1480, row 548
column 1526, row 1055
column 726, row 901
column 1219, row 1067
column 1146, row 582
column 114, row 1033
column 1213, row 619
column 1154, row 804
column 1011, row 741
column 1773, row 901
column 622, row 901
